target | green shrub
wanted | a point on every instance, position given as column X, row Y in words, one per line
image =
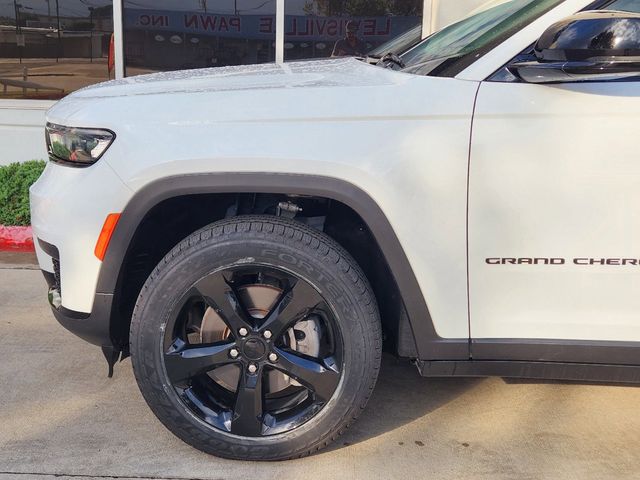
column 60, row 150
column 15, row 180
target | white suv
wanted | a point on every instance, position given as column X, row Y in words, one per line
column 253, row 236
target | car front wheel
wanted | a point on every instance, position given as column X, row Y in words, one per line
column 256, row 338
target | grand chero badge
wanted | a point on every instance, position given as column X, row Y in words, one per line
column 562, row 261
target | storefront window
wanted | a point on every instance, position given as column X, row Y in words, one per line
column 325, row 28
column 180, row 34
column 49, row 48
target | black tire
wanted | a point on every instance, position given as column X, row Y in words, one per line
column 347, row 318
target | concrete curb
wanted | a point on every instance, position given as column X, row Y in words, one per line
column 16, row 239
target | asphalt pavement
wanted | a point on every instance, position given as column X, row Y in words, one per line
column 62, row 418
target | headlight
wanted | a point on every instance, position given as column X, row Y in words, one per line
column 79, row 147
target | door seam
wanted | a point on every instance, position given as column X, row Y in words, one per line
column 473, row 117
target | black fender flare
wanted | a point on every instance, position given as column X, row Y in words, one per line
column 428, row 343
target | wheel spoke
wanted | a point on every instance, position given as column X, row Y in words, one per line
column 185, row 361
column 247, row 413
column 255, row 408
column 293, row 305
column 222, row 297
column 314, row 375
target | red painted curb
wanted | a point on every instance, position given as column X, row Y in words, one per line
column 16, row 239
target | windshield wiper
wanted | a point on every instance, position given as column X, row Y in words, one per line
column 390, row 60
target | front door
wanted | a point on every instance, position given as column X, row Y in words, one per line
column 554, row 214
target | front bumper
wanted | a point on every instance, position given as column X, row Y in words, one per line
column 68, row 209
column 93, row 327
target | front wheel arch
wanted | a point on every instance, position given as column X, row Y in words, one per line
column 416, row 338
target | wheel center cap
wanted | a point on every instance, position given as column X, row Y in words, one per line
column 254, row 349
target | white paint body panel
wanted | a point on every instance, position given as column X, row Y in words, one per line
column 555, row 172
column 403, row 139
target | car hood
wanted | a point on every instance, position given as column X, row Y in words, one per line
column 342, row 72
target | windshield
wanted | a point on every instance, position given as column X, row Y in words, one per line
column 452, row 49
column 399, row 44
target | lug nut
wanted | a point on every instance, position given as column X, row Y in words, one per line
column 243, row 332
column 233, row 353
column 273, row 357
column 252, row 368
column 267, row 334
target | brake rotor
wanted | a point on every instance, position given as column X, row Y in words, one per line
column 259, row 299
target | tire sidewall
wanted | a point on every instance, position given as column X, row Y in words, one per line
column 226, row 247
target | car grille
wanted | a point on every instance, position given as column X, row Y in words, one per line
column 56, row 274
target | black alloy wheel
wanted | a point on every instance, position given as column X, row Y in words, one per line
column 267, row 384
column 256, row 338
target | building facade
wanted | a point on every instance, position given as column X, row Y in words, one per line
column 49, row 48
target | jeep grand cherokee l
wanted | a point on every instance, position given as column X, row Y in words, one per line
column 251, row 235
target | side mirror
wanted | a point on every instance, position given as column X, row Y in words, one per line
column 589, row 46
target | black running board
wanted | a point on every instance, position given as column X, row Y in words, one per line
column 579, row 372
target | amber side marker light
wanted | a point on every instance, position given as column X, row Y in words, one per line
column 105, row 235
